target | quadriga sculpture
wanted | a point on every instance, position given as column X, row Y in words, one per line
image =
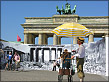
column 67, row 9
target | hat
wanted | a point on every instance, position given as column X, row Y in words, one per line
column 81, row 39
column 65, row 50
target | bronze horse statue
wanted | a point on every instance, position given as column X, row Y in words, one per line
column 67, row 9
column 58, row 10
column 74, row 10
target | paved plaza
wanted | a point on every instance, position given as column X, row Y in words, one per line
column 43, row 75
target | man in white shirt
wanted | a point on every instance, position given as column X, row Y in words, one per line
column 80, row 54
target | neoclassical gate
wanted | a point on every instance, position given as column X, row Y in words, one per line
column 41, row 27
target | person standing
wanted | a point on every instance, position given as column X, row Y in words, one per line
column 9, row 59
column 54, row 65
column 80, row 54
column 6, row 63
column 17, row 60
column 1, row 56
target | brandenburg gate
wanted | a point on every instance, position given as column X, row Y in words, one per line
column 41, row 27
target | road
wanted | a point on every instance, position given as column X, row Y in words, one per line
column 44, row 75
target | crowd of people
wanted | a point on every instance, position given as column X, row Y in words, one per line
column 12, row 61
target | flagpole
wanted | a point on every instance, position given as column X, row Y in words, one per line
column 71, row 53
column 71, row 41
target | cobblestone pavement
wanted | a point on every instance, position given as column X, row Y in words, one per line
column 43, row 75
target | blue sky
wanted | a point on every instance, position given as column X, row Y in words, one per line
column 13, row 13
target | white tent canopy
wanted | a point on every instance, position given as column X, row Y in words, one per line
column 18, row 46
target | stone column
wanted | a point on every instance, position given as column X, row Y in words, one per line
column 59, row 40
column 107, row 53
column 28, row 57
column 55, row 39
column 49, row 53
column 40, row 57
column 40, row 40
column 91, row 38
column 45, row 39
column 30, row 39
column 37, row 56
column 43, row 55
column 31, row 54
column 74, row 40
column 56, row 53
column 25, row 38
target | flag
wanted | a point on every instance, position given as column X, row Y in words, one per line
column 18, row 39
